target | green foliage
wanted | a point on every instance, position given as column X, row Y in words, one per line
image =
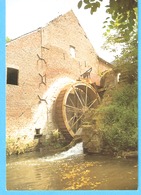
column 122, row 14
column 79, row 4
column 118, row 119
column 125, row 44
column 18, row 146
column 127, row 62
column 89, row 4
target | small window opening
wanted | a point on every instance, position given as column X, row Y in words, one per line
column 12, row 76
column 72, row 51
column 118, row 77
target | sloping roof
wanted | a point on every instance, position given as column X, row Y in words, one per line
column 102, row 60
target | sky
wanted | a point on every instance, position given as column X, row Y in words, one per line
column 23, row 16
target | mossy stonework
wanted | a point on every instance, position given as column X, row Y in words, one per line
column 92, row 139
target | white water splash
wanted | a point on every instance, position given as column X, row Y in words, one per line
column 74, row 151
column 43, row 113
column 77, row 149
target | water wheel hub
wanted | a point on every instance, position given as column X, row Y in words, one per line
column 85, row 109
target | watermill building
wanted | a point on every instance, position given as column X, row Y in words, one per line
column 46, row 69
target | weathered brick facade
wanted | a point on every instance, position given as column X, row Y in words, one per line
column 44, row 65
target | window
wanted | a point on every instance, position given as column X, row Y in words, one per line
column 12, row 76
column 72, row 51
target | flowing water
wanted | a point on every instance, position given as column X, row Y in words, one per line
column 71, row 170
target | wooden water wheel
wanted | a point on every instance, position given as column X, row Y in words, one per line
column 72, row 103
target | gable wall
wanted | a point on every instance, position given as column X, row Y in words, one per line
column 66, row 31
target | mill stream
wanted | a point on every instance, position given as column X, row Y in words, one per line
column 71, row 170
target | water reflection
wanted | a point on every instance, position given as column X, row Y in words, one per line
column 70, row 170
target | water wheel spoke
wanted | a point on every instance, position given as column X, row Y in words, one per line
column 86, row 96
column 77, row 120
column 78, row 96
column 91, row 103
column 72, row 118
column 72, row 108
column 83, row 98
column 71, row 101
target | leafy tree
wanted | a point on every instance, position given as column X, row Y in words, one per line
column 127, row 61
column 122, row 14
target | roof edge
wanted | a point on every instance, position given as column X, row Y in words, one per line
column 102, row 60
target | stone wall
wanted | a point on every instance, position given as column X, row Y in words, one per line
column 92, row 139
